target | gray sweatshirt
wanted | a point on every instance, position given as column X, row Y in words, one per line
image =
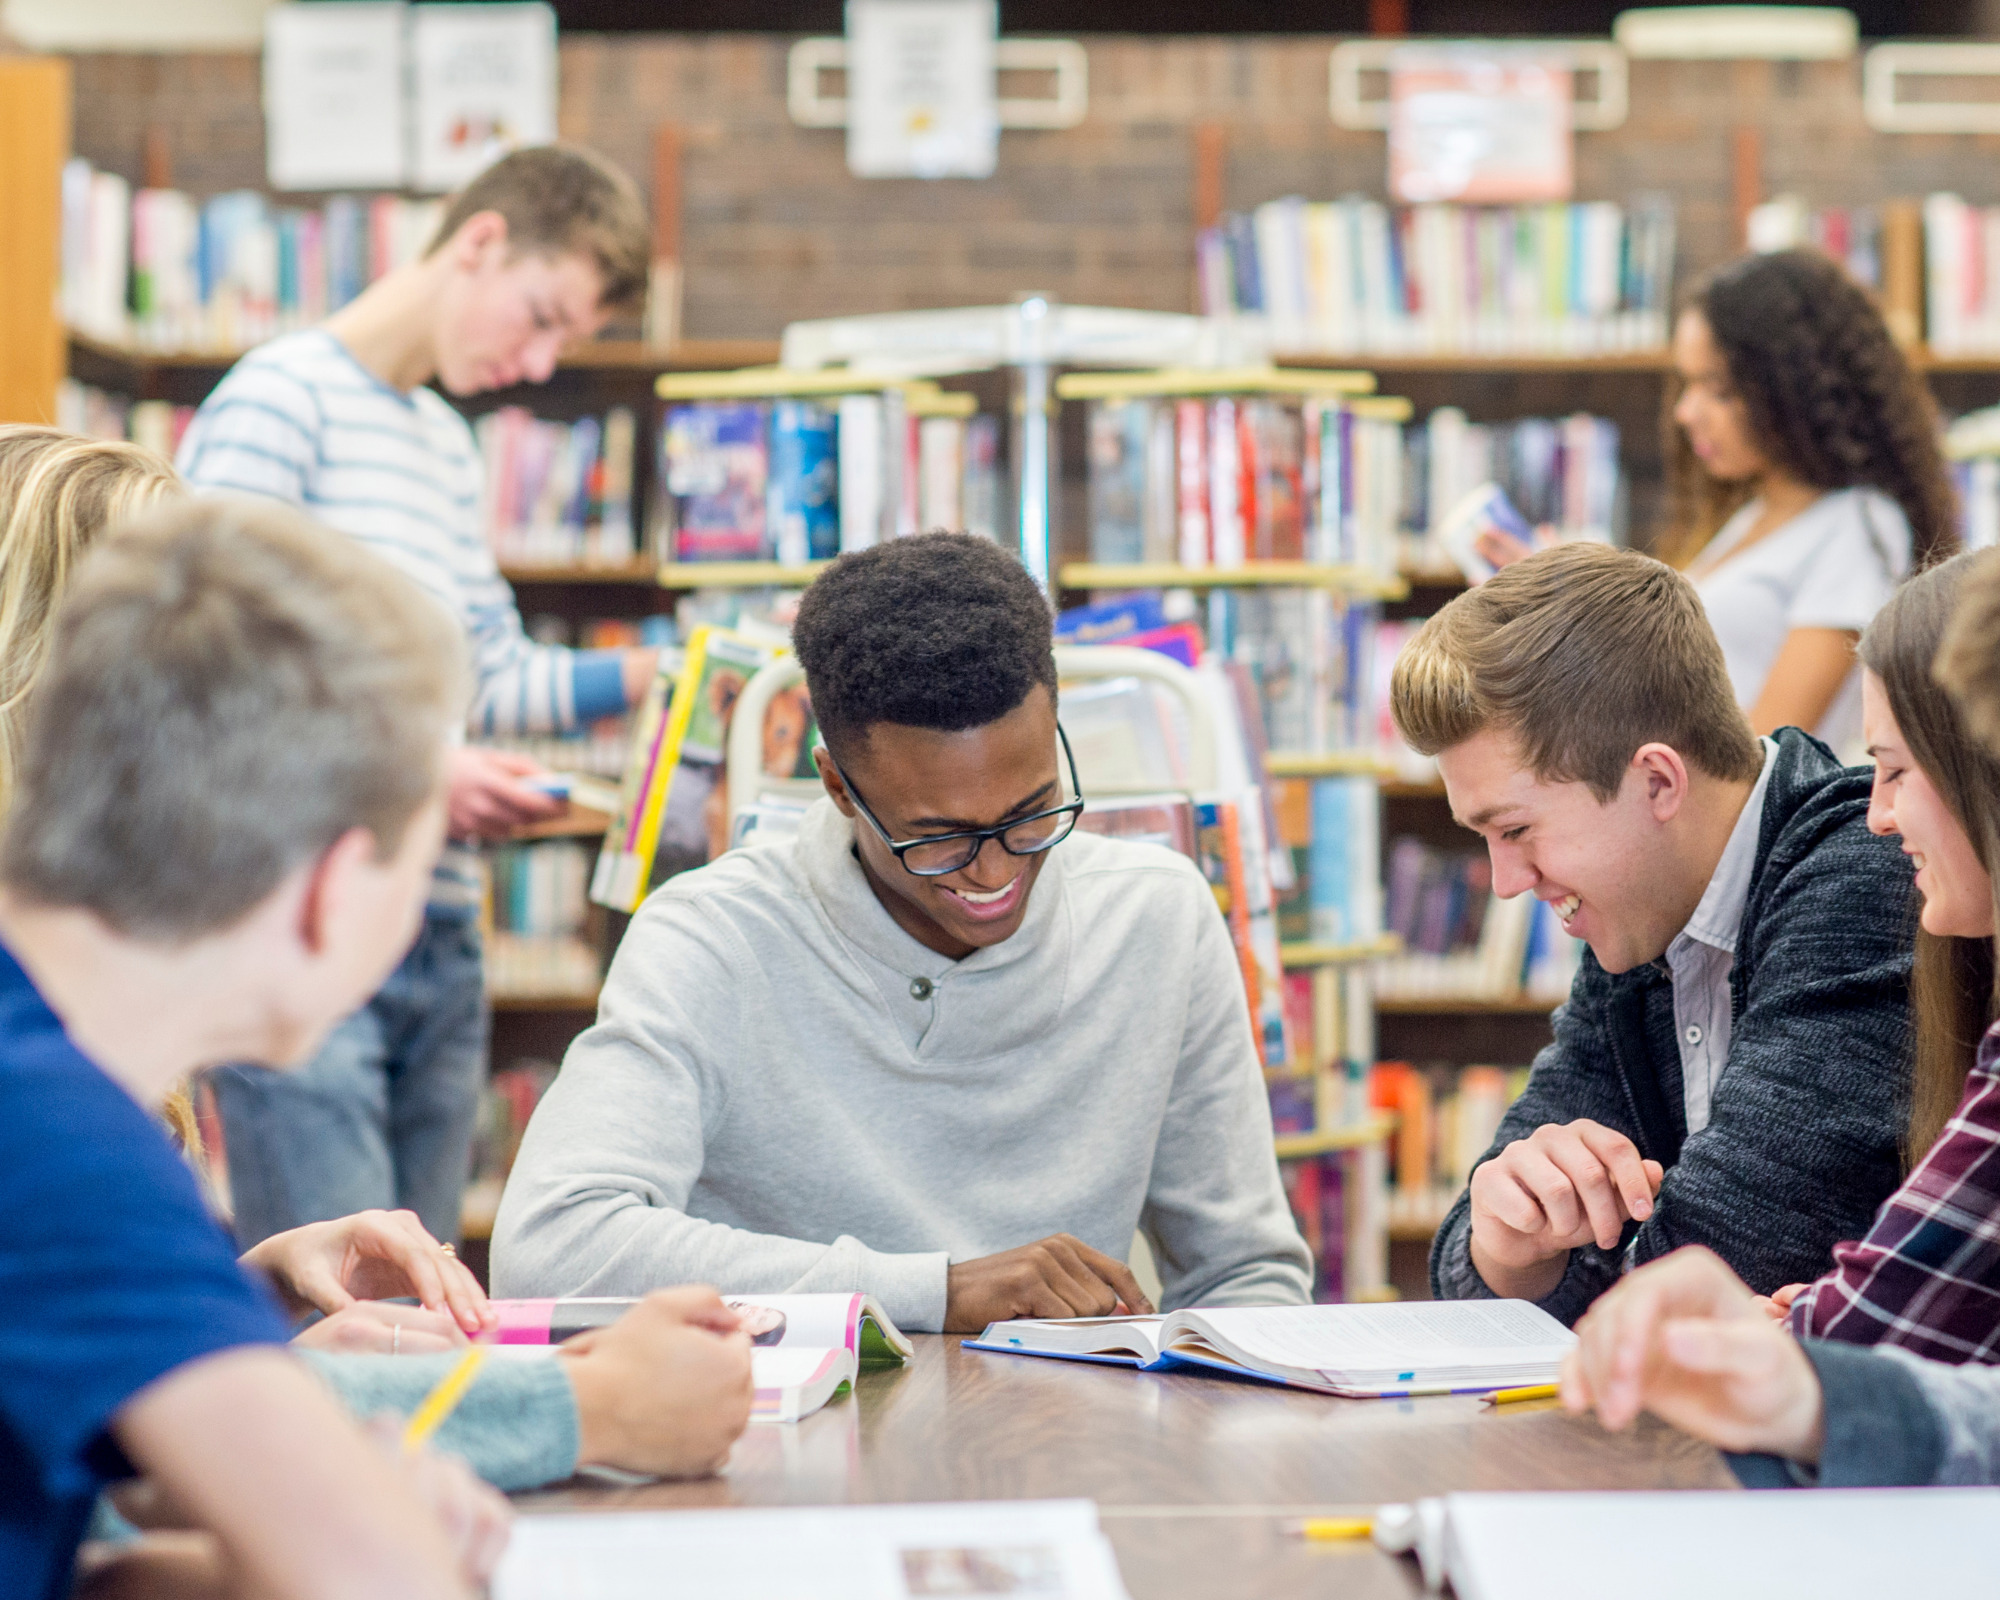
column 784, row 1091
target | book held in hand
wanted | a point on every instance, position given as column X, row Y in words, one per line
column 807, row 1348
column 1358, row 1351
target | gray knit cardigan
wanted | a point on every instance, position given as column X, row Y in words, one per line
column 1802, row 1140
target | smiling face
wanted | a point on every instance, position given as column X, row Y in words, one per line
column 921, row 781
column 1958, row 893
column 506, row 317
column 1607, row 868
column 1710, row 411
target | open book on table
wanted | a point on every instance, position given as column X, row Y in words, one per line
column 1361, row 1351
column 806, row 1348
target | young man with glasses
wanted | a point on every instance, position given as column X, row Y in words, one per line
column 940, row 1047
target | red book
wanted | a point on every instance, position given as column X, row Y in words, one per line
column 1191, row 479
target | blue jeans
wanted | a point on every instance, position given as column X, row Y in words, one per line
column 383, row 1115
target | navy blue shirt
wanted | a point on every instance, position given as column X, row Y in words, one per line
column 112, row 1274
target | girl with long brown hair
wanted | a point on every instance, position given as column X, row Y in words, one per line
column 1805, row 480
column 1927, row 1276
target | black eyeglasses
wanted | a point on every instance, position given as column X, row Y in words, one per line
column 942, row 853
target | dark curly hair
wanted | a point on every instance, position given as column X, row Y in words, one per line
column 942, row 630
column 1830, row 397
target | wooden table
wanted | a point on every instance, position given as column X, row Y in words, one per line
column 1195, row 1478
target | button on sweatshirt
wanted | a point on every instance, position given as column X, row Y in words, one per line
column 784, row 1091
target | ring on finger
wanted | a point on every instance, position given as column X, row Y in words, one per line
column 447, row 1249
column 395, row 1338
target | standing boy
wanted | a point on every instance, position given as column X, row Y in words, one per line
column 530, row 257
column 1730, row 1065
column 231, row 798
column 939, row 1047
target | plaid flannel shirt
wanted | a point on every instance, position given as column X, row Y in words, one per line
column 1927, row 1276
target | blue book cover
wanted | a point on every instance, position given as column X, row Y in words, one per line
column 804, row 497
column 1327, row 896
column 1112, row 621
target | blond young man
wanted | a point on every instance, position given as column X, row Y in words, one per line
column 533, row 255
column 1729, row 1067
column 229, row 802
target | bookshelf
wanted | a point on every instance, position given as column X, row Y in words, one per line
column 1355, row 581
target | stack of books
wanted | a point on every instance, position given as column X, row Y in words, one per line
column 1446, row 1120
column 1460, row 940
column 1356, row 276
column 161, row 269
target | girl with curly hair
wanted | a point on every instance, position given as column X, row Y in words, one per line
column 1805, row 480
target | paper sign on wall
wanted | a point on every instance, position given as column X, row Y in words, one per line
column 482, row 82
column 920, row 88
column 333, row 96
column 1484, row 127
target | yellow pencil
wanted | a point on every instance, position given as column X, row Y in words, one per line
column 1533, row 1391
column 438, row 1404
column 1336, row 1527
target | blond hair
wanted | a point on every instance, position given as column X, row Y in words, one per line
column 558, row 199
column 1582, row 653
column 58, row 495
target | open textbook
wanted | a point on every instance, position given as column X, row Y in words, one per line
column 1048, row 1549
column 807, row 1348
column 1828, row 1543
column 1362, row 1351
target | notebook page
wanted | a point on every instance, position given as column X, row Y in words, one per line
column 1436, row 1333
column 1824, row 1543
column 1050, row 1549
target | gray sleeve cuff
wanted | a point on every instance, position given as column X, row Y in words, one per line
column 1880, row 1427
column 1454, row 1277
column 516, row 1427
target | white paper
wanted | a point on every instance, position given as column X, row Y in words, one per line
column 333, row 96
column 920, row 88
column 482, row 82
column 1434, row 1333
column 1830, row 1544
column 1047, row 1550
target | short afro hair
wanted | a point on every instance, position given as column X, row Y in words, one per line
column 940, row 630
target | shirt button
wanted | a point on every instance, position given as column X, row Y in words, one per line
column 1694, row 1035
column 920, row 988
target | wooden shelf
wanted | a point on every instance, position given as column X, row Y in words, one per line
column 1302, row 955
column 1258, row 574
column 736, row 575
column 1294, row 1146
column 1322, row 763
column 1463, row 1005
column 635, row 573
column 1656, row 362
column 579, row 822
column 544, row 1002
column 1301, row 380
column 1403, row 789
column 1433, row 577
column 609, row 355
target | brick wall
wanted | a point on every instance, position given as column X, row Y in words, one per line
column 776, row 228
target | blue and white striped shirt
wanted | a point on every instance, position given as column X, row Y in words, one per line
column 300, row 420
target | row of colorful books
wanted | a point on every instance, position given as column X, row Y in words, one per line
column 1446, row 1119
column 1561, row 472
column 536, row 942
column 161, row 269
column 1460, row 940
column 558, row 493
column 97, row 414
column 1962, row 276
column 1356, row 276
column 801, row 480
column 1318, row 1190
column 512, row 1092
column 1882, row 247
column 1218, row 482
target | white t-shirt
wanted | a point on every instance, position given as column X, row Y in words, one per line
column 1834, row 565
